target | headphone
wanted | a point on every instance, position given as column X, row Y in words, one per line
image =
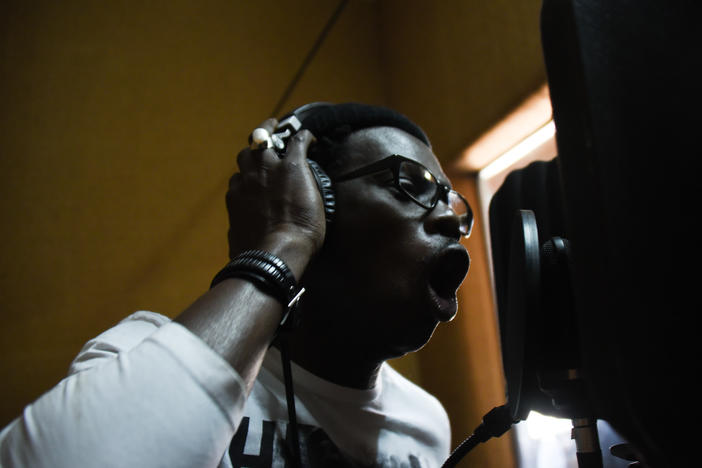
column 289, row 125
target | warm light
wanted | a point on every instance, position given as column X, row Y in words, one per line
column 531, row 115
column 523, row 149
column 539, row 146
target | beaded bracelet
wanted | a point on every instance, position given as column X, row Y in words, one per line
column 271, row 274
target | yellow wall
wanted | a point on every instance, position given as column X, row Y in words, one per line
column 459, row 66
column 120, row 127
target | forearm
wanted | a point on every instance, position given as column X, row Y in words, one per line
column 275, row 206
column 238, row 320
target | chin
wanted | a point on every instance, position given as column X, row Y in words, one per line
column 414, row 339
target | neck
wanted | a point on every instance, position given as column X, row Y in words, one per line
column 334, row 359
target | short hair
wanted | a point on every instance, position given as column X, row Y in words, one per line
column 332, row 123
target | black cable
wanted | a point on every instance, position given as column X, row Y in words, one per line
column 495, row 423
column 310, row 55
column 292, row 433
column 466, row 446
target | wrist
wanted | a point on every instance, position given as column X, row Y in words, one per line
column 293, row 248
column 270, row 274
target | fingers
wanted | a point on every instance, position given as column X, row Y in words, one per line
column 249, row 159
column 234, row 181
column 269, row 125
column 298, row 145
column 253, row 160
column 271, row 194
column 296, row 150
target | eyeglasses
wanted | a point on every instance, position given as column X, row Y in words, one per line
column 420, row 185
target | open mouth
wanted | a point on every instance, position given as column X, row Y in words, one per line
column 446, row 276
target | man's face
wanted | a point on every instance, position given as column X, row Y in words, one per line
column 390, row 266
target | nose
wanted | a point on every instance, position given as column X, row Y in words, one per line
column 444, row 221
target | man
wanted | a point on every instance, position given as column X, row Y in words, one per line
column 378, row 276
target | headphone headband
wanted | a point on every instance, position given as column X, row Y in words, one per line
column 323, row 117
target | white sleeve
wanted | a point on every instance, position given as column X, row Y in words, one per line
column 168, row 401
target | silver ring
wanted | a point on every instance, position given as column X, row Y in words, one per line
column 278, row 143
column 259, row 139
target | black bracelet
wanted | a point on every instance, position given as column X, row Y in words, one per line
column 268, row 272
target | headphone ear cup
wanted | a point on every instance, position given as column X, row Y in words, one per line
column 324, row 184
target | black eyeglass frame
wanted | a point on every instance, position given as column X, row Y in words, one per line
column 393, row 163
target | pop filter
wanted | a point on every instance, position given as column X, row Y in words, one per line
column 624, row 83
